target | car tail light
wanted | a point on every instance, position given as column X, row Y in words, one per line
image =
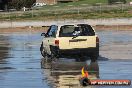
column 97, row 39
column 57, row 42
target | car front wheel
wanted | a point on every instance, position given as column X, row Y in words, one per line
column 43, row 53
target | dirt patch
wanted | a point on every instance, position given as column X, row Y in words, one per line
column 113, row 27
column 45, row 28
column 23, row 30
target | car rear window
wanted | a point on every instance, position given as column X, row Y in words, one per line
column 80, row 30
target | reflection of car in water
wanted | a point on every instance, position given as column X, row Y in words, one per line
column 70, row 40
column 4, row 49
column 65, row 73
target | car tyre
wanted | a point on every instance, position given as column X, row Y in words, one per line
column 94, row 57
column 43, row 53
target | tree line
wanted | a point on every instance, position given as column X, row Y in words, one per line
column 18, row 4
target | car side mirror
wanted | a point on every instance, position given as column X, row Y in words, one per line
column 43, row 34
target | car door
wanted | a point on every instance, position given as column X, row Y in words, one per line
column 49, row 39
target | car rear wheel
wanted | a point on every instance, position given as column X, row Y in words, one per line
column 94, row 57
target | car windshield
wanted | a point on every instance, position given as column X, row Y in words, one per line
column 80, row 30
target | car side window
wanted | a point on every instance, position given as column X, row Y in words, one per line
column 52, row 31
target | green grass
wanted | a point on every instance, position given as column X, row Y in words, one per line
column 80, row 3
column 68, row 15
column 73, row 10
column 90, row 2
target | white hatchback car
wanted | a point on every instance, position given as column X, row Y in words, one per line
column 38, row 4
column 70, row 40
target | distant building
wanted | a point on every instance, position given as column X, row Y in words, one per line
column 50, row 2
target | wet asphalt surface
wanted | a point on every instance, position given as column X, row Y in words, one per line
column 22, row 66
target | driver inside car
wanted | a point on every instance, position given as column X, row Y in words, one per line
column 76, row 31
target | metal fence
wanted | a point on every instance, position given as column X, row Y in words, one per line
column 68, row 10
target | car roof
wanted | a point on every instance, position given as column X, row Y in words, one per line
column 59, row 25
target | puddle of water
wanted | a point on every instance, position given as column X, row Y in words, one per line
column 16, row 57
column 115, row 37
column 21, row 67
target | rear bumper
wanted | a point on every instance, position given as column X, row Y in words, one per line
column 76, row 51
